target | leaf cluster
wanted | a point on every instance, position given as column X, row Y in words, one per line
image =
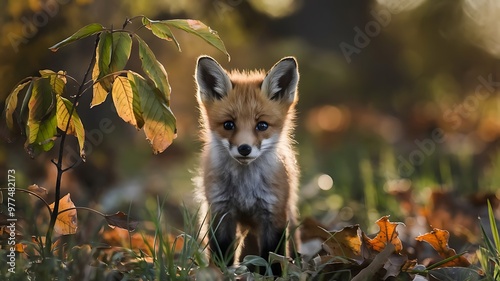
column 47, row 111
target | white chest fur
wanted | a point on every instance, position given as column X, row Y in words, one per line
column 242, row 187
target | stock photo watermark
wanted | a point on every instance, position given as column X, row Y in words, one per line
column 32, row 25
column 93, row 138
column 381, row 18
column 11, row 220
column 222, row 7
column 454, row 117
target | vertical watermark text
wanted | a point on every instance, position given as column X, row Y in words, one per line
column 11, row 220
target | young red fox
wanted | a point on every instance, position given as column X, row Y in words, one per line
column 249, row 174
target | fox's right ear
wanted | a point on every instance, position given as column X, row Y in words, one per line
column 212, row 80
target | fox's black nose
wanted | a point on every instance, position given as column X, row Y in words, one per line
column 244, row 149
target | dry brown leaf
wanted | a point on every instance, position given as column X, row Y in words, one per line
column 38, row 189
column 344, row 243
column 122, row 220
column 140, row 241
column 386, row 235
column 20, row 247
column 438, row 239
column 378, row 262
column 394, row 265
column 409, row 265
column 66, row 222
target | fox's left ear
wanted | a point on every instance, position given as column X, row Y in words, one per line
column 281, row 81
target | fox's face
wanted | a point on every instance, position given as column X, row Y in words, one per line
column 247, row 112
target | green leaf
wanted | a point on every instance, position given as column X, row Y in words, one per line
column 127, row 102
column 11, row 104
column 154, row 69
column 201, row 30
column 101, row 68
column 42, row 100
column 160, row 30
column 41, row 134
column 41, row 126
column 103, row 55
column 85, row 31
column 75, row 124
column 24, row 107
column 120, row 53
column 57, row 80
column 159, row 121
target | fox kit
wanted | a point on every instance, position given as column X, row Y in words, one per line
column 249, row 176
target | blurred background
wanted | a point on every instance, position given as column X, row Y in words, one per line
column 399, row 101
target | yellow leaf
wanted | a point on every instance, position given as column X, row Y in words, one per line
column 99, row 96
column 100, row 93
column 123, row 98
column 75, row 124
column 66, row 222
column 159, row 121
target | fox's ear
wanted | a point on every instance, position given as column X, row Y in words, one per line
column 281, row 81
column 212, row 80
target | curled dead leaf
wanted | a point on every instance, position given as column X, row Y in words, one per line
column 38, row 189
column 386, row 235
column 121, row 220
column 67, row 221
column 438, row 239
column 344, row 243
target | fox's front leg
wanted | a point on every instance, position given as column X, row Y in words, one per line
column 222, row 235
column 273, row 239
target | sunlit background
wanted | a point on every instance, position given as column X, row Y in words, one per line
column 389, row 89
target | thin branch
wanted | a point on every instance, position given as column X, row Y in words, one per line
column 104, row 77
column 69, row 167
column 83, row 208
column 127, row 21
column 60, row 171
column 34, row 194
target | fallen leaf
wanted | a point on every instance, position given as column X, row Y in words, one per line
column 438, row 239
column 38, row 189
column 345, row 243
column 409, row 265
column 394, row 265
column 20, row 247
column 386, row 235
column 122, row 237
column 377, row 263
column 66, row 222
column 121, row 220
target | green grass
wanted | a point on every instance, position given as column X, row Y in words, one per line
column 489, row 252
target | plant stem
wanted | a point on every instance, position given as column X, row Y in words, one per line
column 33, row 194
column 59, row 163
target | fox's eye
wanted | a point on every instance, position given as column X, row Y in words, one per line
column 229, row 125
column 262, row 126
